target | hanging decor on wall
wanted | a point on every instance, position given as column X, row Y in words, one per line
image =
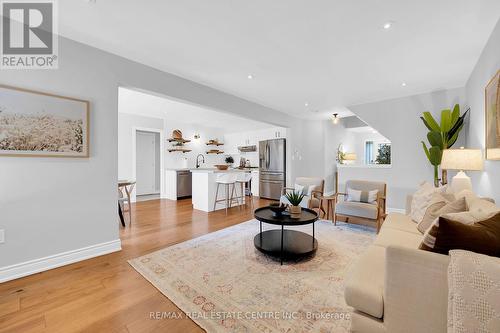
column 39, row 124
column 492, row 108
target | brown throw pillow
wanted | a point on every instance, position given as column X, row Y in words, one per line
column 481, row 237
column 438, row 209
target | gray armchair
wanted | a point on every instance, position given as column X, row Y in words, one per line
column 314, row 186
column 363, row 211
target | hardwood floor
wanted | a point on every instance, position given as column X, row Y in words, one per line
column 106, row 294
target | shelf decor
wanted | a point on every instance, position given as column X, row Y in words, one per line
column 214, row 143
column 178, row 142
column 215, row 151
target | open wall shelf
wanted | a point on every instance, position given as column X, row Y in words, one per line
column 178, row 140
column 182, row 150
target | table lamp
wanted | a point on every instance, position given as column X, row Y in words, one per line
column 462, row 160
column 351, row 157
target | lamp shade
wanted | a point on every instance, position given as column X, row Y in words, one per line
column 350, row 156
column 462, row 159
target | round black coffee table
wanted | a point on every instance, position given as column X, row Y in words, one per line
column 285, row 244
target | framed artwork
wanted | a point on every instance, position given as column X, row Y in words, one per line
column 38, row 124
column 492, row 106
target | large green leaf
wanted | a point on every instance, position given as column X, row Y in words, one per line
column 426, row 151
column 455, row 114
column 433, row 125
column 435, row 154
column 453, row 139
column 435, row 139
column 426, row 124
column 455, row 131
column 446, row 120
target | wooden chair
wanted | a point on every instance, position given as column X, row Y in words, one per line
column 362, row 211
column 127, row 187
column 314, row 189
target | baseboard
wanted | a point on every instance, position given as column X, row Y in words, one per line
column 16, row 271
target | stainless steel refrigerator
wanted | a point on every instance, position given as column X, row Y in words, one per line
column 272, row 167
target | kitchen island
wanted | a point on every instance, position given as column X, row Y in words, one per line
column 205, row 186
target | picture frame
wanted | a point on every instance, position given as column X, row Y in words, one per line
column 492, row 117
column 39, row 124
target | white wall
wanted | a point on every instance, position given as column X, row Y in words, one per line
column 398, row 120
column 486, row 183
column 127, row 123
column 52, row 206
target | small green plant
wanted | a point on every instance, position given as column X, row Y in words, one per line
column 229, row 160
column 295, row 197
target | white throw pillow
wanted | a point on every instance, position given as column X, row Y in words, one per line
column 361, row 196
column 473, row 293
column 422, row 199
column 299, row 188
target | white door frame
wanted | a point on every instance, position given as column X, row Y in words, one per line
column 134, row 158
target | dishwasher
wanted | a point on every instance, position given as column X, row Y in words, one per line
column 184, row 183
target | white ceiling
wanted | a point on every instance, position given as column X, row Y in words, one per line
column 329, row 53
column 143, row 104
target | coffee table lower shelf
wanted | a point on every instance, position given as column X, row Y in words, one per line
column 296, row 244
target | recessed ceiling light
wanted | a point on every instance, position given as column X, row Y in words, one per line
column 387, row 25
column 306, row 104
column 250, row 76
column 403, row 84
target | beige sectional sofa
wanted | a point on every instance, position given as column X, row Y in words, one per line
column 395, row 287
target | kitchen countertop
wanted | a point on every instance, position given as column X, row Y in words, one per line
column 214, row 170
column 202, row 169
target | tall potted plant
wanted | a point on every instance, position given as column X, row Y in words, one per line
column 295, row 198
column 442, row 136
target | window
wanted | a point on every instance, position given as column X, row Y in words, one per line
column 377, row 152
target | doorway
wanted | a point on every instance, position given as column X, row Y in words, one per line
column 147, row 164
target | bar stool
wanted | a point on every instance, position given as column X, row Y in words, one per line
column 229, row 182
column 242, row 179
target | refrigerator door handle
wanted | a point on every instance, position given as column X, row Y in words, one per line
column 268, row 155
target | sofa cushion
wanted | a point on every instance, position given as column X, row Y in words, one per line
column 481, row 237
column 439, row 209
column 400, row 238
column 401, row 222
column 359, row 209
column 364, row 283
column 423, row 198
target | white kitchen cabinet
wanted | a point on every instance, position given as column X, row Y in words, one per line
column 255, row 183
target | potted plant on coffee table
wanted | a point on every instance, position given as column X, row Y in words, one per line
column 295, row 198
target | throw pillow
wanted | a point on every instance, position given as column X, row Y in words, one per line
column 300, row 188
column 422, row 199
column 473, row 293
column 482, row 208
column 438, row 209
column 481, row 237
column 362, row 196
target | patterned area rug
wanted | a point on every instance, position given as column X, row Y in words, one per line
column 226, row 285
